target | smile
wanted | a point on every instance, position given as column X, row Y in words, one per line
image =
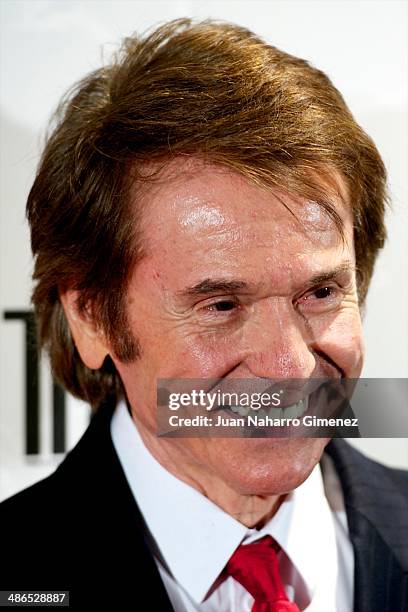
column 289, row 412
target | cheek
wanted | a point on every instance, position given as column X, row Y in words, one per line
column 177, row 355
column 208, row 357
column 342, row 341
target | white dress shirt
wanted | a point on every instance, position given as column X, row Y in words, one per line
column 192, row 538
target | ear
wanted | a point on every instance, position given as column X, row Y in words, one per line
column 89, row 339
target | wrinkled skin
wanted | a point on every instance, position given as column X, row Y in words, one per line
column 205, row 223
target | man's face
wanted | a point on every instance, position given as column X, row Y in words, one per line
column 230, row 287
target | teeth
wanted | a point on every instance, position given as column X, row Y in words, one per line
column 241, row 410
column 290, row 412
column 296, row 410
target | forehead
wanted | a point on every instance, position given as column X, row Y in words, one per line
column 198, row 215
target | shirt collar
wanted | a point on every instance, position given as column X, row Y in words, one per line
column 195, row 537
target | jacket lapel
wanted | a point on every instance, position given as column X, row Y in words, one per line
column 377, row 513
column 120, row 561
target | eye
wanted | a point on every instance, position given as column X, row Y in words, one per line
column 323, row 292
column 220, row 311
column 222, row 305
column 321, row 299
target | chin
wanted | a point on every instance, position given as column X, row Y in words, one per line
column 271, row 467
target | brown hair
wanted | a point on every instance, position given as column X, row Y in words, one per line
column 210, row 89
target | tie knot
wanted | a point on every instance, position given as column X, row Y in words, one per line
column 256, row 567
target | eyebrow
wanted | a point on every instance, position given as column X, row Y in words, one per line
column 212, row 285
column 321, row 277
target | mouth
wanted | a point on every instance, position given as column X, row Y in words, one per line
column 294, row 411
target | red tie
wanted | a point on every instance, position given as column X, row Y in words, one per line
column 255, row 566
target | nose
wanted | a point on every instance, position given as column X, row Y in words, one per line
column 279, row 344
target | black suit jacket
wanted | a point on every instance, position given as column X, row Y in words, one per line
column 80, row 530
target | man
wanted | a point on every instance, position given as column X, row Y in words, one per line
column 206, row 207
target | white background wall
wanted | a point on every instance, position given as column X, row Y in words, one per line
column 47, row 45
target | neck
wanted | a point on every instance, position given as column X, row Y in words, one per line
column 253, row 511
